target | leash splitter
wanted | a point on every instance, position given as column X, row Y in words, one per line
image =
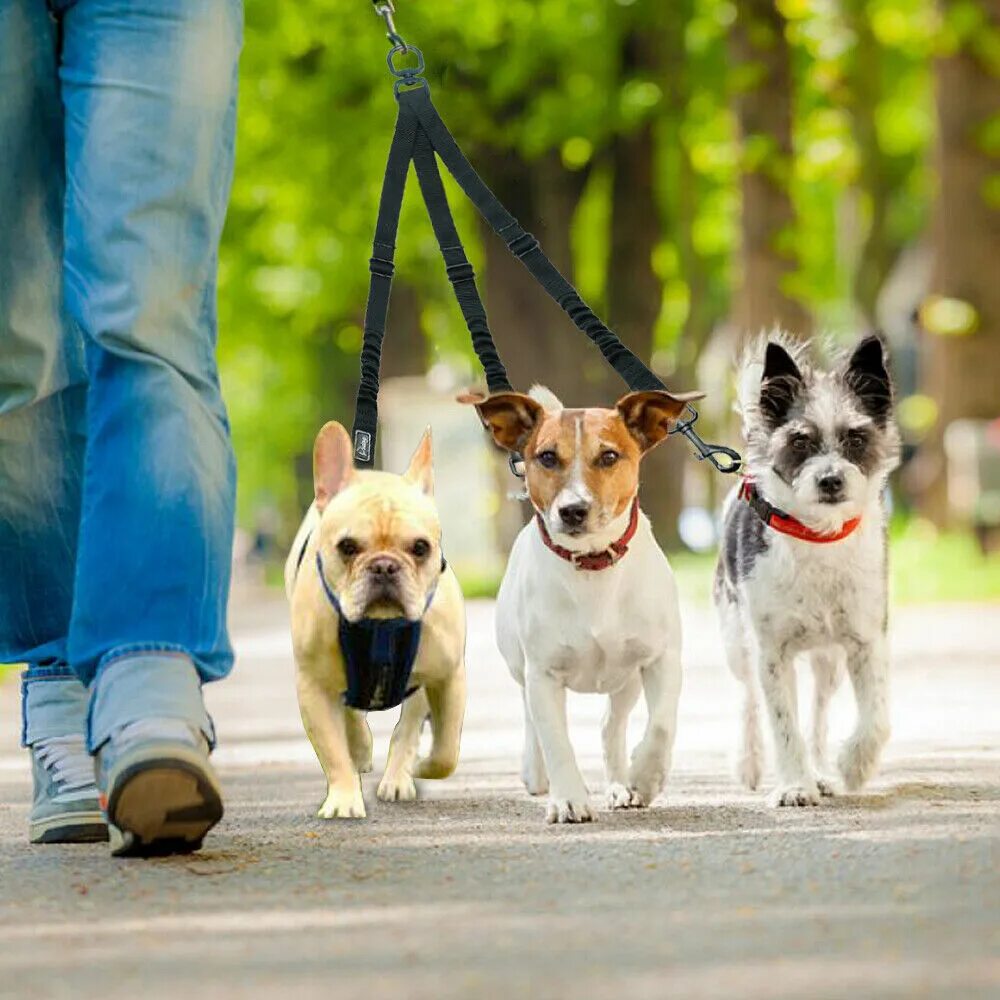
column 421, row 137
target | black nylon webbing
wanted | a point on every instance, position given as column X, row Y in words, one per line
column 524, row 246
column 381, row 267
column 420, row 135
column 460, row 271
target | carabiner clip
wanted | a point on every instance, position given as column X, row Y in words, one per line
column 705, row 450
column 385, row 10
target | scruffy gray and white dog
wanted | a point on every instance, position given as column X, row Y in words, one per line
column 802, row 568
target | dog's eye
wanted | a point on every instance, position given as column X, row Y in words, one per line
column 348, row 547
column 608, row 458
column 855, row 439
column 547, row 459
column 420, row 548
column 801, row 443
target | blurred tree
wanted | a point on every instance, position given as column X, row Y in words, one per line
column 962, row 314
column 764, row 100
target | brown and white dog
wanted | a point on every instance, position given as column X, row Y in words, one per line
column 378, row 538
column 588, row 601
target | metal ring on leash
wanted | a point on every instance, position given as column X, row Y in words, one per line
column 405, row 72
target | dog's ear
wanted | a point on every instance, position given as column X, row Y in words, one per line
column 650, row 414
column 868, row 378
column 779, row 384
column 511, row 417
column 421, row 468
column 333, row 463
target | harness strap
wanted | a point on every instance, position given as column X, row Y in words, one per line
column 460, row 271
column 381, row 266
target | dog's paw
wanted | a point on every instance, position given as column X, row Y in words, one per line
column 620, row 796
column 534, row 785
column 856, row 763
column 576, row 810
column 343, row 803
column 397, row 787
column 647, row 780
column 795, row 795
column 749, row 771
column 534, row 776
column 826, row 788
column 364, row 766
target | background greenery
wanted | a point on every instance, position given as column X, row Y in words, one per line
column 700, row 168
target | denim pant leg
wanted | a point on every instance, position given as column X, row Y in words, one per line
column 42, row 381
column 149, row 90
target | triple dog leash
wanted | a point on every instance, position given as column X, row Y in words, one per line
column 421, row 137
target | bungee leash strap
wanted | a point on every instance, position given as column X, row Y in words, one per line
column 422, row 137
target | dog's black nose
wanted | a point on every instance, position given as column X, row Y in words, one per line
column 573, row 514
column 383, row 566
column 830, row 485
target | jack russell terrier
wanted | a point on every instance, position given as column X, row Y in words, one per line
column 377, row 619
column 588, row 601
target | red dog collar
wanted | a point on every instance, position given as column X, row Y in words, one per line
column 784, row 523
column 594, row 560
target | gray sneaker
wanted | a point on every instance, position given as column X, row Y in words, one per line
column 65, row 809
column 160, row 793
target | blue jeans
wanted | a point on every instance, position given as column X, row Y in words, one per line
column 117, row 477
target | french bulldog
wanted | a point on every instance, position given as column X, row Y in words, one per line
column 366, row 567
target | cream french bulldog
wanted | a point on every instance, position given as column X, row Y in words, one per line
column 366, row 563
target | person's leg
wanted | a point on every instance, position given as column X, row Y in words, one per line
column 149, row 90
column 42, row 396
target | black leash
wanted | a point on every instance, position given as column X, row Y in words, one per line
column 421, row 136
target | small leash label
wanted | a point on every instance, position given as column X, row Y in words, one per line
column 362, row 446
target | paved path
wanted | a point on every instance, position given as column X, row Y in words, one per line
column 467, row 893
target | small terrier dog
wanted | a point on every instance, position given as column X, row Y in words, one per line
column 803, row 566
column 588, row 601
column 364, row 570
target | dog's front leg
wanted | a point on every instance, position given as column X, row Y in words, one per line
column 661, row 682
column 397, row 782
column 447, row 703
column 613, row 735
column 868, row 668
column 797, row 784
column 567, row 791
column 324, row 719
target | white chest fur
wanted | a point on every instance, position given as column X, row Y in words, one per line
column 592, row 630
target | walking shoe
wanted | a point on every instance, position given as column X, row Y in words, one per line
column 65, row 808
column 159, row 791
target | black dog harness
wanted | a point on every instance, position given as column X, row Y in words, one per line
column 378, row 653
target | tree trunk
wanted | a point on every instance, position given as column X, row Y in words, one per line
column 962, row 372
column 535, row 339
column 879, row 175
column 764, row 112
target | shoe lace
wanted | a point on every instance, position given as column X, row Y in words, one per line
column 67, row 761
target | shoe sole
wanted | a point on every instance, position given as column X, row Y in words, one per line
column 162, row 803
column 69, row 828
